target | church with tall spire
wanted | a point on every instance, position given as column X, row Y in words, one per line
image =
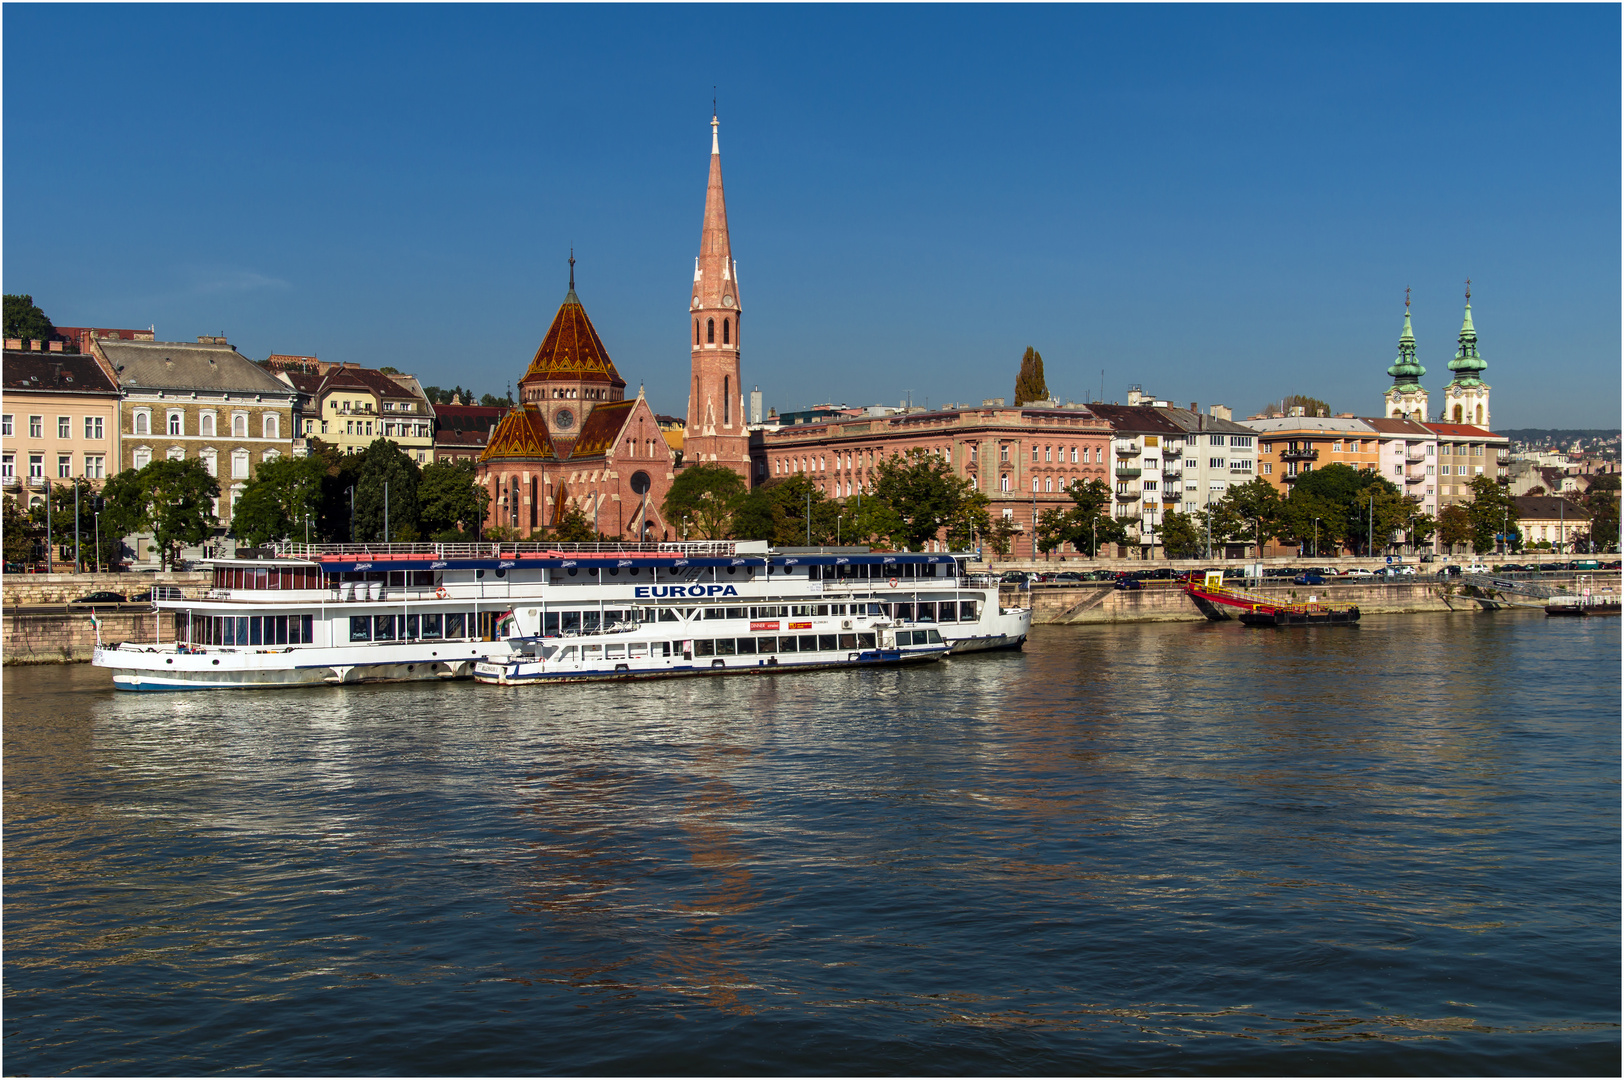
column 1466, row 398
column 717, row 431
column 1407, row 398
column 572, row 442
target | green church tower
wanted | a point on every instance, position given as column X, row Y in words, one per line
column 1466, row 398
column 1407, row 398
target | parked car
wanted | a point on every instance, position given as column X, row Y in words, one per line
column 103, row 597
column 1126, row 581
column 1428, row 557
column 1452, row 570
column 1015, row 577
column 1359, row 572
column 1310, row 577
column 1067, row 577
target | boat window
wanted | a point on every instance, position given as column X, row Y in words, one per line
column 967, row 611
column 574, row 570
column 614, row 652
column 397, row 579
column 669, row 615
column 704, row 647
column 385, row 628
column 589, row 622
column 766, row 645
column 934, row 637
column 904, row 612
column 454, row 622
column 807, row 642
column 827, row 643
column 947, row 611
column 848, row 641
column 746, row 646
column 568, row 654
column 724, row 646
column 591, row 653
column 501, row 572
column 422, row 579
column 787, row 644
column 254, row 629
column 925, row 612
column 733, row 570
column 637, row 650
column 360, row 628
column 433, row 626
column 715, row 613
column 865, row 641
column 736, row 613
column 413, row 624
column 876, row 609
column 571, row 621
column 614, row 616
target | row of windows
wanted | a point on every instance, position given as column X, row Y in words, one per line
column 431, row 627
column 141, row 457
column 95, row 427
column 710, row 332
column 175, row 424
column 246, row 630
column 247, row 577
column 95, row 467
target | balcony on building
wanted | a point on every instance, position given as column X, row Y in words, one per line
column 1127, row 449
column 1307, row 453
column 1172, row 469
column 1415, row 453
column 1127, row 496
column 1414, row 476
column 1128, row 472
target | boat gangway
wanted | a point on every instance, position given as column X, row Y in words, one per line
column 1214, row 598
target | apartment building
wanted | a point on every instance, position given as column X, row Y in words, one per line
column 60, row 422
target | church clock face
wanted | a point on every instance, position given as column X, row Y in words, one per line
column 727, row 301
column 563, row 420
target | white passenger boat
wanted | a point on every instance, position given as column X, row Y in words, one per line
column 853, row 635
column 333, row 614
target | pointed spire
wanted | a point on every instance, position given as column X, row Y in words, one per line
column 1406, row 370
column 713, row 277
column 1468, row 366
column 572, row 274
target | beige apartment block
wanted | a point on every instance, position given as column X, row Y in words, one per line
column 60, row 423
column 204, row 401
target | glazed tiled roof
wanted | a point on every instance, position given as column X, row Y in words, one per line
column 522, row 433
column 602, row 428
column 572, row 349
column 55, row 373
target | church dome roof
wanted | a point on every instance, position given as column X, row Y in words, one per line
column 572, row 350
column 522, row 433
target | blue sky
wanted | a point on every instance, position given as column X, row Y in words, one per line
column 1223, row 204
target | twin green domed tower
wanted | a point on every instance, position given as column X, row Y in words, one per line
column 1466, row 398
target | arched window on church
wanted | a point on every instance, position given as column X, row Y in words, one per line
column 1479, row 420
column 710, row 331
column 726, row 337
column 1459, row 417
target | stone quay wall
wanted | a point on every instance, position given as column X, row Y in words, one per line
column 65, row 639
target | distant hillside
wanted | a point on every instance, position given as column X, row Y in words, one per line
column 1558, row 435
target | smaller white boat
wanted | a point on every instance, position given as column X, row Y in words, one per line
column 660, row 650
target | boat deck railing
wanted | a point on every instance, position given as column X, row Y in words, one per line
column 506, row 548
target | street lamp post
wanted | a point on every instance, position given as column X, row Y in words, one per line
column 1316, row 539
column 76, row 559
column 98, row 541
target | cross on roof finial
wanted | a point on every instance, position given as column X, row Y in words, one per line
column 1406, row 299
column 572, row 268
column 1468, row 290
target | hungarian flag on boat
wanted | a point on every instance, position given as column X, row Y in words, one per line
column 504, row 625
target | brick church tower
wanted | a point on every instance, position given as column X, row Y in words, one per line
column 716, row 421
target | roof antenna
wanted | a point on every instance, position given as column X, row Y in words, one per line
column 572, row 268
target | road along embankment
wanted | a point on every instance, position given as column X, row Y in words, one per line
column 1164, row 601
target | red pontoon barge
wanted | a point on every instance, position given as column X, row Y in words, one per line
column 1216, row 601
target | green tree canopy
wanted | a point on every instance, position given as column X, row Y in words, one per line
column 25, row 320
column 1088, row 523
column 1491, row 511
column 1257, row 509
column 1030, row 384
column 1454, row 526
column 276, row 504
column 924, row 493
column 387, row 464
column 493, row 400
column 572, row 527
column 451, row 505
column 778, row 512
column 19, row 533
column 1600, row 501
column 172, row 500
column 1180, row 537
column 706, row 495
column 1311, row 406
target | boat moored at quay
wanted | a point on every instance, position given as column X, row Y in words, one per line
column 329, row 614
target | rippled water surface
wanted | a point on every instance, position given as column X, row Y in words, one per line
column 1140, row 848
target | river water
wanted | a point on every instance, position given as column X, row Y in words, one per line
column 1164, row 847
